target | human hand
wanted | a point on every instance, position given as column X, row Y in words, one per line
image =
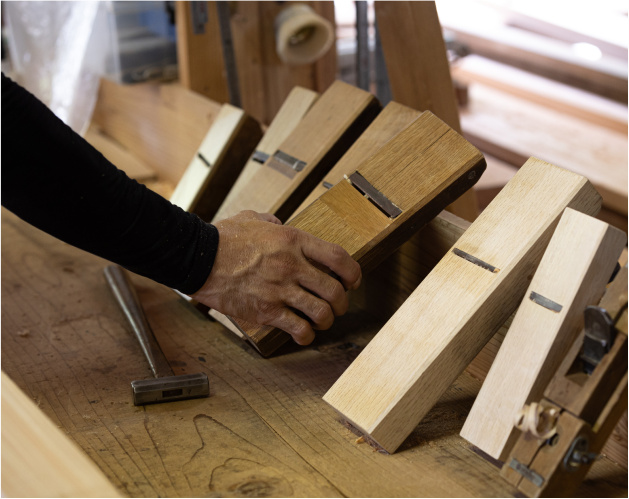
column 263, row 270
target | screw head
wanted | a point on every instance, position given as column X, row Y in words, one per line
column 471, row 175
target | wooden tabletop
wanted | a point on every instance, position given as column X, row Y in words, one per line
column 263, row 432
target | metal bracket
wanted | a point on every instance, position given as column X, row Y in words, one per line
column 600, row 334
column 286, row 164
column 545, row 302
column 204, row 159
column 363, row 186
column 260, row 157
column 526, row 472
column 475, row 261
column 578, row 454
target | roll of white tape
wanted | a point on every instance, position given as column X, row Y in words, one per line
column 302, row 36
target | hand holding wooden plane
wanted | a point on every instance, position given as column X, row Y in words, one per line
column 263, row 274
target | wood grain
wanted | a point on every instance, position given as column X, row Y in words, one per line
column 264, row 430
column 420, row 171
column 331, row 126
column 217, row 163
column 512, row 129
column 161, row 125
column 418, row 69
column 458, row 307
column 38, row 460
column 295, row 107
column 572, row 273
column 391, row 120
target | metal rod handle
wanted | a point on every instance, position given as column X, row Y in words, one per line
column 129, row 302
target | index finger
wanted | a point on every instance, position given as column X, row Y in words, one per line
column 335, row 258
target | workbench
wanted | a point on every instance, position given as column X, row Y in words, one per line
column 263, row 432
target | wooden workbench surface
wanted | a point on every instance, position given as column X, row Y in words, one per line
column 263, row 432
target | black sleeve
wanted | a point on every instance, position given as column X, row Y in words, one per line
column 53, row 179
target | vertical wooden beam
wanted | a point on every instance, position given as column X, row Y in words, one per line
column 200, row 55
column 419, row 73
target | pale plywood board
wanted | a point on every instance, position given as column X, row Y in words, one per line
column 391, row 120
column 447, row 320
column 295, row 107
column 119, row 155
column 38, row 460
column 504, row 125
column 573, row 273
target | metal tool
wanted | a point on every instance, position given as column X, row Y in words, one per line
column 166, row 387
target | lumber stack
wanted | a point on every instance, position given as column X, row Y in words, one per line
column 462, row 303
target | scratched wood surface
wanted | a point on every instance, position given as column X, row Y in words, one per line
column 264, row 431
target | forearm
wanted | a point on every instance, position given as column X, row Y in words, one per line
column 55, row 180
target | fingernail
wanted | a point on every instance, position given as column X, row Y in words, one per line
column 357, row 283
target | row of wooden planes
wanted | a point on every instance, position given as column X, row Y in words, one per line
column 343, row 169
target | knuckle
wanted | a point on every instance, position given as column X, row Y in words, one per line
column 338, row 253
column 266, row 312
column 289, row 235
column 337, row 291
column 322, row 313
column 301, row 329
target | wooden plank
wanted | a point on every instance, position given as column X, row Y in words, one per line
column 392, row 120
column 200, row 55
column 511, row 129
column 548, row 93
column 38, row 460
column 118, row 155
column 161, row 125
column 420, row 171
column 482, row 29
column 217, row 163
column 297, row 104
column 331, row 126
column 572, row 273
column 452, row 314
column 264, row 430
column 418, row 69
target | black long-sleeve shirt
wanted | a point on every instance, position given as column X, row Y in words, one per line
column 55, row 180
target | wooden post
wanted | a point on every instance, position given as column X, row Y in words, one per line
column 418, row 69
column 447, row 320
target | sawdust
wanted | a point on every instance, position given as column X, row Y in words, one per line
column 23, row 333
column 363, row 438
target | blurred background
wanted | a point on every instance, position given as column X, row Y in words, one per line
column 532, row 78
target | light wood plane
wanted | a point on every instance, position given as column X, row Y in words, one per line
column 331, row 126
column 460, row 305
column 217, row 163
column 572, row 275
column 38, row 459
column 391, row 196
column 295, row 107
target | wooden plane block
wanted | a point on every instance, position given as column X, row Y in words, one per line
column 420, row 171
column 572, row 274
column 331, row 126
column 217, row 163
column 391, row 120
column 459, row 306
column 295, row 107
column 38, row 460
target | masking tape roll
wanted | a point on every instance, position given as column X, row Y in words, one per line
column 302, row 36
